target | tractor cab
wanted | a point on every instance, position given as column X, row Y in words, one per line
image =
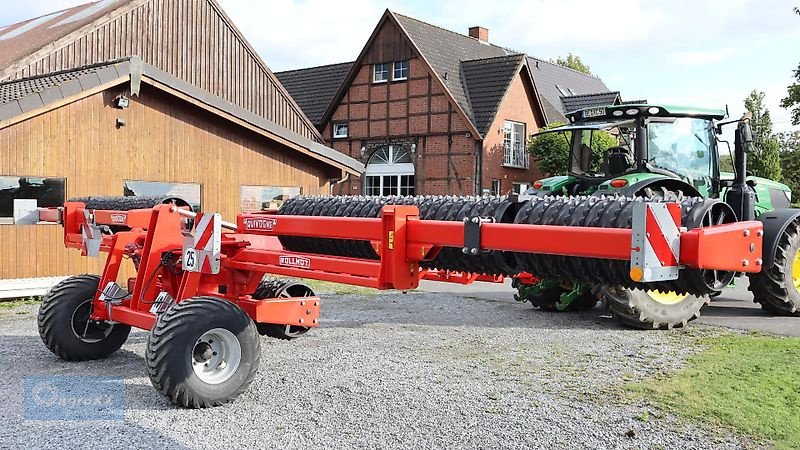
column 648, row 143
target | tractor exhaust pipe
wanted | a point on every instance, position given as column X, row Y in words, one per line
column 741, row 196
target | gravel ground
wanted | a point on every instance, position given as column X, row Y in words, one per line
column 419, row 370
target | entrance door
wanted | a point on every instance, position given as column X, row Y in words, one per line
column 390, row 171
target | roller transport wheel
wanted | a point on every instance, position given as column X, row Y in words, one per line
column 777, row 288
column 280, row 288
column 203, row 352
column 649, row 310
column 64, row 324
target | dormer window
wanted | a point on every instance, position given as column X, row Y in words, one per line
column 400, row 71
column 380, row 73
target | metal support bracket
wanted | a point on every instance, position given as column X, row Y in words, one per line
column 472, row 234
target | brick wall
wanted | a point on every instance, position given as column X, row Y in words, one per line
column 516, row 107
column 411, row 112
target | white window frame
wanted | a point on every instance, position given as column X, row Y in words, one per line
column 495, row 189
column 375, row 73
column 390, row 176
column 520, row 188
column 337, row 127
column 515, row 146
column 394, row 70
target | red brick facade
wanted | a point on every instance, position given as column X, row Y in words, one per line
column 448, row 156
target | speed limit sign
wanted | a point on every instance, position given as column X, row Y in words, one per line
column 190, row 260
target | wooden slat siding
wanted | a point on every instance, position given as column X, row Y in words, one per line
column 165, row 140
column 389, row 45
column 190, row 40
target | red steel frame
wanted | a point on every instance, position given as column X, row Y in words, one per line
column 401, row 239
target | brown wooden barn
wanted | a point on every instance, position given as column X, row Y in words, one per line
column 206, row 121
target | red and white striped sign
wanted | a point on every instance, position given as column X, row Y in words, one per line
column 201, row 251
column 655, row 252
column 91, row 235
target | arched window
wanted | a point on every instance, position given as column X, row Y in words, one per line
column 390, row 171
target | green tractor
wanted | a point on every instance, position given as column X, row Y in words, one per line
column 672, row 153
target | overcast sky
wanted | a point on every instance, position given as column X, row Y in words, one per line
column 699, row 52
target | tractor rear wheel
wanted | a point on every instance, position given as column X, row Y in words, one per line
column 653, row 309
column 777, row 288
column 65, row 327
column 203, row 352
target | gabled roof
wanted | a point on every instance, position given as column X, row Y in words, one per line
column 445, row 50
column 23, row 38
column 575, row 102
column 110, row 29
column 549, row 77
column 464, row 66
column 20, row 99
column 487, row 81
column 313, row 88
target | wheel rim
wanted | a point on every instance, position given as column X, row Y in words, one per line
column 294, row 290
column 85, row 329
column 666, row 298
column 796, row 271
column 216, row 356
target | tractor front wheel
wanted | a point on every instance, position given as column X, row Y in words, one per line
column 653, row 309
column 203, row 352
column 777, row 288
column 65, row 326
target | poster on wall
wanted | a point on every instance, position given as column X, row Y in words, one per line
column 28, row 193
column 262, row 198
column 190, row 192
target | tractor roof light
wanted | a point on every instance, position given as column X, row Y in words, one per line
column 617, row 113
column 538, row 185
column 632, row 112
column 653, row 110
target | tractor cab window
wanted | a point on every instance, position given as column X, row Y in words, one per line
column 684, row 147
column 591, row 148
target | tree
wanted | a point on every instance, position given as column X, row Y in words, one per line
column 551, row 150
column 790, row 160
column 765, row 158
column 573, row 62
column 792, row 99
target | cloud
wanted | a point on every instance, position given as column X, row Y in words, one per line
column 695, row 58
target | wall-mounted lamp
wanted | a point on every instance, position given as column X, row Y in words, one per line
column 121, row 102
column 413, row 148
column 363, row 151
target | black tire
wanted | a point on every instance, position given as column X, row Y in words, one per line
column 281, row 288
column 774, row 287
column 64, row 324
column 175, row 352
column 637, row 309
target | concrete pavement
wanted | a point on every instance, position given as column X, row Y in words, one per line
column 733, row 309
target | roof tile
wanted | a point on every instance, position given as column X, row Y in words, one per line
column 313, row 88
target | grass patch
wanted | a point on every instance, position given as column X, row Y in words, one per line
column 10, row 304
column 750, row 383
column 338, row 288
